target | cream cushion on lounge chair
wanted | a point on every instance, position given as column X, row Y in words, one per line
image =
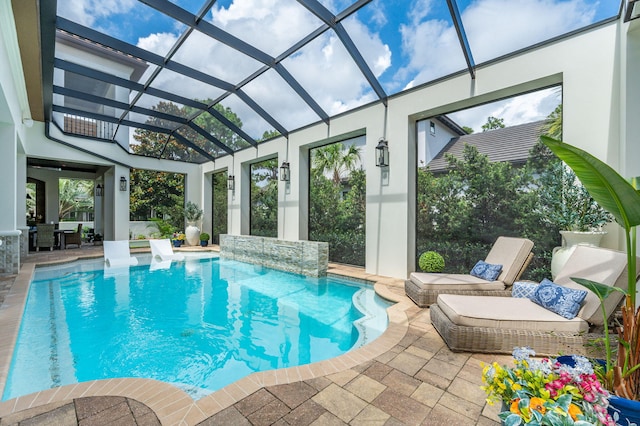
column 453, row 281
column 498, row 324
column 510, row 252
column 506, row 312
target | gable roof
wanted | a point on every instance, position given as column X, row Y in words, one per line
column 511, row 144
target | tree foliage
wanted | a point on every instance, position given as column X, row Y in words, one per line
column 75, row 195
column 264, row 198
column 268, row 134
column 493, row 123
column 220, row 205
column 336, row 159
column 156, row 194
column 337, row 204
column 460, row 214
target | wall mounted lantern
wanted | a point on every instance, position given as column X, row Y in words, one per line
column 285, row 172
column 382, row 153
column 99, row 190
column 231, row 182
column 123, row 183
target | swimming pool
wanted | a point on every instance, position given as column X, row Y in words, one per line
column 199, row 324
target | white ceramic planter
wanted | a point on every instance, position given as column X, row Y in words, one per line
column 571, row 239
column 192, row 235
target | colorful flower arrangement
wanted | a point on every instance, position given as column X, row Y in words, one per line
column 179, row 236
column 547, row 392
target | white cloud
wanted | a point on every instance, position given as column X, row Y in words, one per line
column 87, row 12
column 517, row 110
column 376, row 54
column 493, row 28
column 432, row 49
column 269, row 25
column 420, row 10
column 324, row 67
column 527, row 108
column 158, row 43
column 378, row 13
column 326, row 70
column 530, row 21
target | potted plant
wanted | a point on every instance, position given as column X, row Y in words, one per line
column 431, row 261
column 546, row 391
column 622, row 200
column 178, row 239
column 192, row 214
column 566, row 204
column 204, row 239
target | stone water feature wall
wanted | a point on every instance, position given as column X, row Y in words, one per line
column 309, row 258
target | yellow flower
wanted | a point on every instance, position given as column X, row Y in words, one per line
column 514, row 406
column 537, row 404
column 574, row 410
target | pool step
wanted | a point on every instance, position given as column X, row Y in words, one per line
column 370, row 326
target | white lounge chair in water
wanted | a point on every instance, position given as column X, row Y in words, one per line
column 161, row 249
column 117, row 254
column 157, row 264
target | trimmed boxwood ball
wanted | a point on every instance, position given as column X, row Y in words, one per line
column 431, row 261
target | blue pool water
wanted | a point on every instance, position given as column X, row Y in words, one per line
column 199, row 324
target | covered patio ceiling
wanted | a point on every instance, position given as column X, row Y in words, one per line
column 214, row 77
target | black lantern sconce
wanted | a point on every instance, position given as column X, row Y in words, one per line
column 99, row 190
column 285, row 172
column 231, row 183
column 382, row 153
column 123, row 183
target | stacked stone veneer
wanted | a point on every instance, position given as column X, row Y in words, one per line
column 309, row 258
column 10, row 252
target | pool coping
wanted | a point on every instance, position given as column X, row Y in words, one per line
column 171, row 404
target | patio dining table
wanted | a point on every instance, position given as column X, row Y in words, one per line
column 59, row 236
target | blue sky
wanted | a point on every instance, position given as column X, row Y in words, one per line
column 405, row 43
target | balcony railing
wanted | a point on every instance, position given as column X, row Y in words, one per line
column 84, row 126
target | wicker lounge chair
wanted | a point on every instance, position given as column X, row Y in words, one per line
column 514, row 254
column 492, row 324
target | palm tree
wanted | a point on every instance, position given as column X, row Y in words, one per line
column 336, row 160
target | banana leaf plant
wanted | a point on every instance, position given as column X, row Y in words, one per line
column 603, row 291
column 618, row 196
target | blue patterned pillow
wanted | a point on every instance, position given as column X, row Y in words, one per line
column 524, row 290
column 486, row 271
column 563, row 301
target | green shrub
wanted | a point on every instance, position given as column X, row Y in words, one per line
column 461, row 256
column 346, row 247
column 204, row 237
column 165, row 228
column 431, row 261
